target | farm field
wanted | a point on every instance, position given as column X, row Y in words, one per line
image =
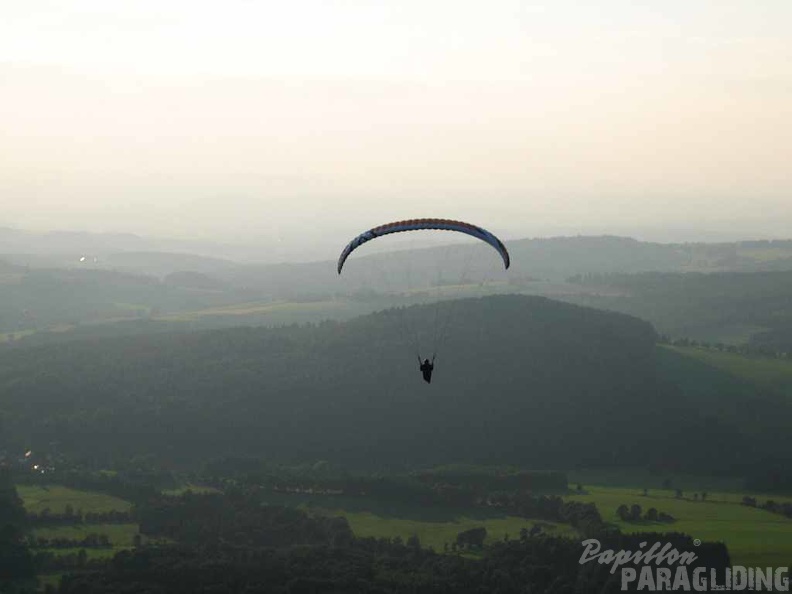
column 253, row 308
column 15, row 335
column 56, row 498
column 759, row 370
column 433, row 526
column 437, row 534
column 121, row 537
column 733, row 334
column 754, row 537
column 36, row 498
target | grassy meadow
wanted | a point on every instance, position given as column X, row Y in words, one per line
column 121, row 537
column 753, row 536
column 437, row 534
column 55, row 498
column 764, row 371
column 37, row 498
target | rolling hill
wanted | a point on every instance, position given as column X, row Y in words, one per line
column 521, row 380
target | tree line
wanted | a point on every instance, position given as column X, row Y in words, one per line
column 71, row 518
column 230, row 544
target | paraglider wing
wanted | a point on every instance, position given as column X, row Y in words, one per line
column 419, row 224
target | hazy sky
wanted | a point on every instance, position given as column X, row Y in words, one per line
column 245, row 119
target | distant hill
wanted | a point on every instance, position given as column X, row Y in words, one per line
column 40, row 299
column 66, row 281
column 162, row 264
column 70, row 242
column 521, row 380
column 65, row 248
column 728, row 307
column 553, row 258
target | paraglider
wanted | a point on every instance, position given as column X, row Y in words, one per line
column 426, row 369
column 426, row 366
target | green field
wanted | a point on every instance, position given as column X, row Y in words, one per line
column 764, row 253
column 56, row 498
column 433, row 526
column 754, row 537
column 254, row 308
column 16, row 335
column 764, row 371
column 436, row 534
column 121, row 536
column 733, row 334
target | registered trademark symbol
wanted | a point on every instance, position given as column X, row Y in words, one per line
column 697, row 543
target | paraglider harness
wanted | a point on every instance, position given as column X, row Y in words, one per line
column 427, row 367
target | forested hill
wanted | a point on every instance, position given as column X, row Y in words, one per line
column 519, row 379
column 726, row 306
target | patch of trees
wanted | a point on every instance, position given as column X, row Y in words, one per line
column 90, row 541
column 445, row 486
column 368, row 565
column 484, row 479
column 473, row 538
column 51, row 562
column 376, row 486
column 237, row 518
column 535, row 530
column 71, row 518
column 777, row 507
column 635, row 514
column 679, row 493
column 16, row 562
column 710, row 555
column 583, row 516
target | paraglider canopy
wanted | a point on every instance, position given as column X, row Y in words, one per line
column 419, row 224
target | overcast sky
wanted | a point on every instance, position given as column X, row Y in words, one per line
column 259, row 119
